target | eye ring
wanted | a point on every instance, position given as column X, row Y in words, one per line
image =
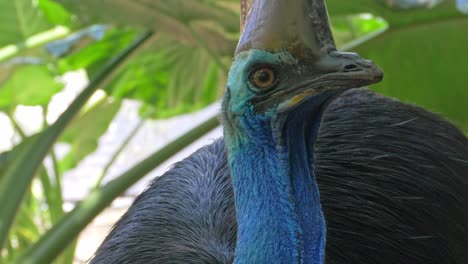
column 263, row 77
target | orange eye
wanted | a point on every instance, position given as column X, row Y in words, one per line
column 263, row 77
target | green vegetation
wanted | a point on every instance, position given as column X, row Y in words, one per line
column 173, row 56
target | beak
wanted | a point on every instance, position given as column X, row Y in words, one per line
column 302, row 28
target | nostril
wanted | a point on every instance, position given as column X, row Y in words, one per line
column 350, row 67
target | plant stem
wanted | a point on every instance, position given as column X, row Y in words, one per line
column 36, row 40
column 118, row 152
column 57, row 174
column 16, row 126
column 31, row 152
column 55, row 198
column 54, row 241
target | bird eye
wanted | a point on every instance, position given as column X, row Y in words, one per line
column 263, row 77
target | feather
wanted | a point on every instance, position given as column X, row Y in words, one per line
column 408, row 206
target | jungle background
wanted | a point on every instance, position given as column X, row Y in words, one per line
column 95, row 95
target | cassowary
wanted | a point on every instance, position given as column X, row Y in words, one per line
column 309, row 171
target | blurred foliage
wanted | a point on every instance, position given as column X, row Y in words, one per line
column 425, row 65
column 95, row 54
column 20, row 90
column 24, row 162
column 170, row 72
column 351, row 30
column 182, row 67
column 20, row 19
column 192, row 46
column 96, row 121
column 422, row 55
column 55, row 13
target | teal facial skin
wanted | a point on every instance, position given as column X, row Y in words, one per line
column 277, row 201
column 242, row 91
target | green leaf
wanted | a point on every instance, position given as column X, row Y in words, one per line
column 5, row 158
column 30, row 153
column 25, row 227
column 421, row 54
column 396, row 19
column 30, row 46
column 55, row 13
column 194, row 41
column 96, row 121
column 56, row 239
column 171, row 78
column 19, row 20
column 28, row 85
column 169, row 75
column 172, row 17
column 351, row 28
column 181, row 20
column 93, row 56
column 425, row 64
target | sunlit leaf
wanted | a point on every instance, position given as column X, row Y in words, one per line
column 20, row 19
column 93, row 56
column 30, row 153
column 55, row 13
column 26, row 228
column 350, row 28
column 84, row 141
column 171, row 78
column 396, row 19
column 194, row 41
column 28, row 85
column 172, row 17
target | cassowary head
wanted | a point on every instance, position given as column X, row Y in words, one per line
column 286, row 55
column 286, row 68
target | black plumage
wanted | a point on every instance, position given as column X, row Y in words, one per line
column 393, row 180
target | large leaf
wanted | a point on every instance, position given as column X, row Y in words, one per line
column 421, row 54
column 94, row 55
column 19, row 20
column 18, row 174
column 55, row 13
column 172, row 17
column 28, row 85
column 425, row 64
column 395, row 18
column 5, row 158
column 64, row 232
column 171, row 78
column 194, row 22
column 29, row 23
column 357, row 28
column 191, row 48
column 84, row 141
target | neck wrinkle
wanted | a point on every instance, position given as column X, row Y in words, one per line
column 300, row 139
column 275, row 191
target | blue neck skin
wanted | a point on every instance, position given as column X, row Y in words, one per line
column 279, row 214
